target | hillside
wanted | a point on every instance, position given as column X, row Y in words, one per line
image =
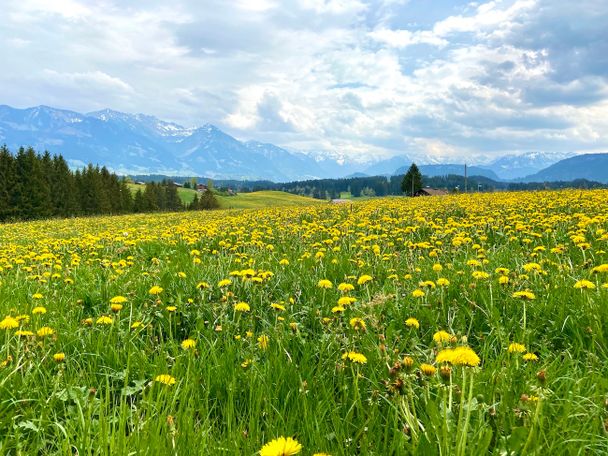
column 593, row 167
column 253, row 200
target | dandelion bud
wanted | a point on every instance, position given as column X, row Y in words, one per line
column 408, row 362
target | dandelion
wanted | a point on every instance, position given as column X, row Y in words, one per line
column 136, row 324
column 427, row 369
column 516, row 348
column 345, row 287
column 503, row 280
column 242, row 307
column 115, row 307
column 442, row 282
column 59, row 357
column 441, row 337
column 525, row 295
column 155, row 290
column 584, row 284
column 324, row 283
column 9, row 323
column 24, row 333
column 165, row 379
column 38, row 310
column 346, row 301
column 418, row 293
column 337, row 309
column 459, row 356
column 118, row 300
column 530, row 357
column 171, row 308
column 45, row 331
column 224, row 283
column 412, row 323
column 188, row 344
column 279, row 307
column 355, row 357
column 37, row 296
column 281, row 446
column 437, row 267
column 104, row 320
column 364, row 279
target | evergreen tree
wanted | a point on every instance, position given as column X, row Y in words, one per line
column 208, row 201
column 412, row 181
column 7, row 184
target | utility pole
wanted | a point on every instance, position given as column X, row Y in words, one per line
column 465, row 177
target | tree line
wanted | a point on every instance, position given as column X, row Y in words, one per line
column 34, row 186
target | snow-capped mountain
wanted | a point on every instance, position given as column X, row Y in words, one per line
column 518, row 166
column 141, row 144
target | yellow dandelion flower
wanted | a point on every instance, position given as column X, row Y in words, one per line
column 136, row 324
column 37, row 296
column 188, row 344
column 337, row 309
column 442, row 282
column 45, row 331
column 276, row 306
column 324, row 283
column 442, row 337
column 412, row 323
column 428, row 370
column 525, row 295
column 9, row 323
column 418, row 293
column 281, row 446
column 165, row 379
column 530, row 357
column 224, row 283
column 346, row 301
column 115, row 307
column 38, row 310
column 155, row 290
column 242, row 307
column 516, row 348
column 104, row 320
column 355, row 357
column 171, row 308
column 345, row 287
column 118, row 300
column 23, row 333
column 584, row 284
column 364, row 279
column 59, row 357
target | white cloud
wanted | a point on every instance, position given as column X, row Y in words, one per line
column 348, row 76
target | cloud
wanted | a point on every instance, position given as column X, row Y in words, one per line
column 360, row 78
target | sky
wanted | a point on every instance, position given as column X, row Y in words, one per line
column 364, row 79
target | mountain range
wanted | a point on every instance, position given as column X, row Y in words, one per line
column 142, row 144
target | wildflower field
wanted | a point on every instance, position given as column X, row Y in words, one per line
column 471, row 324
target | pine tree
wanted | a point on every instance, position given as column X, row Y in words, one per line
column 7, row 183
column 412, row 181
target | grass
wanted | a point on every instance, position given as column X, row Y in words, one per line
column 341, row 376
column 253, row 200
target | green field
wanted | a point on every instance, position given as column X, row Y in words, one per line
column 253, row 200
column 462, row 325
